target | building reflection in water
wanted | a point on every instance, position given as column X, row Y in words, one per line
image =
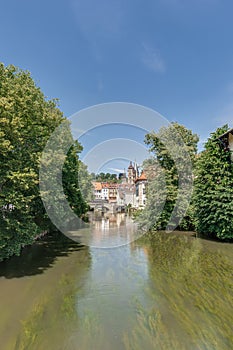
column 107, row 222
column 107, row 231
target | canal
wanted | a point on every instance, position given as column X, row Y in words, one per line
column 170, row 292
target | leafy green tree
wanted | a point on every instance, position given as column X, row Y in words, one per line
column 85, row 182
column 93, row 176
column 213, row 195
column 27, row 120
column 106, row 177
column 168, row 182
column 72, row 179
column 101, row 177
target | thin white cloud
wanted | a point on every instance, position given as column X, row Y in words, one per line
column 117, row 170
column 99, row 22
column 152, row 59
column 98, row 19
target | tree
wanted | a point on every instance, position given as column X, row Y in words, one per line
column 169, row 175
column 27, row 120
column 106, row 177
column 73, row 182
column 85, row 182
column 213, row 195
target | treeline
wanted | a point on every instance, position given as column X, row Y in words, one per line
column 206, row 191
column 105, row 177
column 27, row 119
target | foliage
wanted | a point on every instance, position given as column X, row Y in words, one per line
column 169, row 175
column 85, row 182
column 27, row 119
column 71, row 179
column 106, row 177
column 213, row 196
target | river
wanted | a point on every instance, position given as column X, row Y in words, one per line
column 170, row 292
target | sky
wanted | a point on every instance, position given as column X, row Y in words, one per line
column 172, row 56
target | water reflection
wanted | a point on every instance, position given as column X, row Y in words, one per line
column 169, row 291
column 190, row 287
column 38, row 307
column 35, row 259
column 108, row 231
column 107, row 306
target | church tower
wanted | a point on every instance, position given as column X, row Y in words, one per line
column 131, row 174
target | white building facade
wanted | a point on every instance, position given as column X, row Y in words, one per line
column 141, row 185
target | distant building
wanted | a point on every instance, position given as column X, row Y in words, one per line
column 226, row 140
column 141, row 184
column 131, row 174
column 101, row 190
column 120, row 196
column 122, row 177
column 136, row 167
column 105, row 190
column 97, row 190
column 126, row 194
column 112, row 198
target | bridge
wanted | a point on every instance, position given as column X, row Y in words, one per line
column 104, row 206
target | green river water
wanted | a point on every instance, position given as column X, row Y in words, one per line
column 174, row 291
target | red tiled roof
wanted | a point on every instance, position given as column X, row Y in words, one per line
column 105, row 185
column 113, row 185
column 142, row 177
column 98, row 186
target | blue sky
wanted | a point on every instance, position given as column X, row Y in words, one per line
column 174, row 56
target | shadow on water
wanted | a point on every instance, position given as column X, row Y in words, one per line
column 212, row 239
column 35, row 259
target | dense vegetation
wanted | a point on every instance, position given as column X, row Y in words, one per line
column 85, row 182
column 210, row 209
column 213, row 196
column 174, row 149
column 26, row 123
column 106, row 177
